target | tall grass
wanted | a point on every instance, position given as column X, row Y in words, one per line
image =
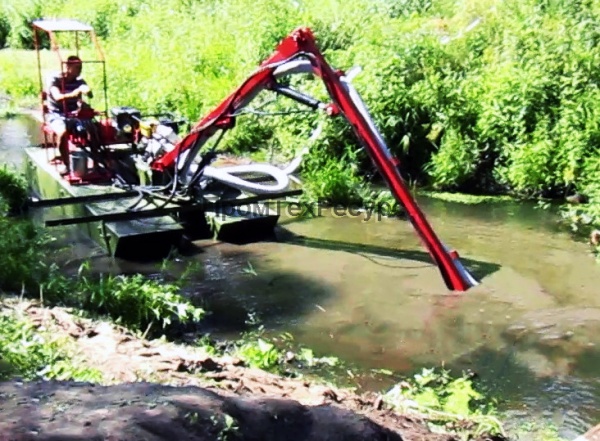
column 479, row 96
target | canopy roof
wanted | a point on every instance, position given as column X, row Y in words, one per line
column 58, row 25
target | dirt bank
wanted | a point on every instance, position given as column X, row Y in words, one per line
column 148, row 411
column 160, row 391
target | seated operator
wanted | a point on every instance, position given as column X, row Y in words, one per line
column 64, row 94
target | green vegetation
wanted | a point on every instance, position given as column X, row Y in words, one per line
column 450, row 404
column 468, row 199
column 278, row 354
column 133, row 301
column 229, row 429
column 482, row 97
column 14, row 190
column 21, row 245
column 33, row 354
column 7, row 110
column 544, row 432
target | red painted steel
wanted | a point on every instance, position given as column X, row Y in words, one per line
column 301, row 42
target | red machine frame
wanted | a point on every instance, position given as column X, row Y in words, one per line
column 301, row 43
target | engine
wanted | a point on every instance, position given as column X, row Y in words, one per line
column 152, row 135
column 158, row 135
column 126, row 121
column 157, row 139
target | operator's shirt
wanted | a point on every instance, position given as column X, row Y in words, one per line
column 58, row 107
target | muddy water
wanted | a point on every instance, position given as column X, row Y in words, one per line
column 531, row 329
column 367, row 292
column 16, row 133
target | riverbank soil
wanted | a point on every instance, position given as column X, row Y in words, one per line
column 155, row 390
column 591, row 435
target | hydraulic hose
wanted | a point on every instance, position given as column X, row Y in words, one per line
column 226, row 176
column 281, row 176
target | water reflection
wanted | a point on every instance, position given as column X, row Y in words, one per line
column 16, row 134
column 533, row 322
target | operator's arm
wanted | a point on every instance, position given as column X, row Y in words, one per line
column 85, row 89
column 55, row 92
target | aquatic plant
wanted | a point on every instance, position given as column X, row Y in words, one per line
column 450, row 404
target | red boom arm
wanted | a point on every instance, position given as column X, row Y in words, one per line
column 346, row 100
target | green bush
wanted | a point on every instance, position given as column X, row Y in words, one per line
column 135, row 301
column 4, row 30
column 21, row 251
column 447, row 402
column 19, row 17
column 13, row 190
column 21, row 244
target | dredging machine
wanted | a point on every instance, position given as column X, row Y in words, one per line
column 140, row 182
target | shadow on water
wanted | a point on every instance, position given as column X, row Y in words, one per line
column 478, row 269
column 232, row 289
column 220, row 278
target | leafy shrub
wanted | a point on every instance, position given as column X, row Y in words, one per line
column 133, row 301
column 446, row 402
column 21, row 253
column 4, row 30
column 13, row 190
column 20, row 16
column 31, row 354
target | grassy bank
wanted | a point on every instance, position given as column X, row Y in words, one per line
column 477, row 97
column 26, row 266
column 50, row 348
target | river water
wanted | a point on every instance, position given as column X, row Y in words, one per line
column 366, row 292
